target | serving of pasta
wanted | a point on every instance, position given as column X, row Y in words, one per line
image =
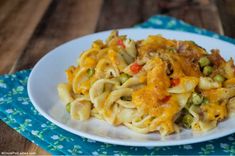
column 151, row 85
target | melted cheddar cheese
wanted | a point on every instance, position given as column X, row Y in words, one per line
column 215, row 111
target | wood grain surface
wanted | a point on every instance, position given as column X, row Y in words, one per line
column 17, row 26
column 226, row 9
column 31, row 28
column 56, row 28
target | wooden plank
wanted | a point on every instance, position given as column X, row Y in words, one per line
column 210, row 18
column 119, row 14
column 149, row 8
column 17, row 25
column 203, row 14
column 64, row 21
column 181, row 9
column 11, row 141
column 227, row 13
column 122, row 14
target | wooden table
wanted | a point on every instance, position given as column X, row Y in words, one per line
column 31, row 28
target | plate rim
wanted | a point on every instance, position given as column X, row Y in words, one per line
column 150, row 143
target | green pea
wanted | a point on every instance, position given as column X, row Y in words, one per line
column 197, row 99
column 204, row 61
column 124, row 77
column 188, row 104
column 90, row 72
column 187, row 120
column 207, row 70
column 68, row 107
column 219, row 78
column 171, row 49
column 205, row 101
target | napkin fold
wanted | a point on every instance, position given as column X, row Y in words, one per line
column 17, row 111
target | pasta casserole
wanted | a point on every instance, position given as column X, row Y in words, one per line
column 151, row 85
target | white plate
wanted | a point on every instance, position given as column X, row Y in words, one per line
column 49, row 71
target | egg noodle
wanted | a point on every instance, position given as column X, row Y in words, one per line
column 151, row 85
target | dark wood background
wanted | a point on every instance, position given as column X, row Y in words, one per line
column 31, row 28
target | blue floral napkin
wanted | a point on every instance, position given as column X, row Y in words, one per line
column 17, row 111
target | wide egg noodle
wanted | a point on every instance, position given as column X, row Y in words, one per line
column 88, row 58
column 80, row 109
column 97, row 92
column 140, row 124
column 111, row 107
column 64, row 91
column 131, row 48
column 105, row 69
column 231, row 106
column 81, row 82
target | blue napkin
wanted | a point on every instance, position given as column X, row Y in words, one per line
column 17, row 111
